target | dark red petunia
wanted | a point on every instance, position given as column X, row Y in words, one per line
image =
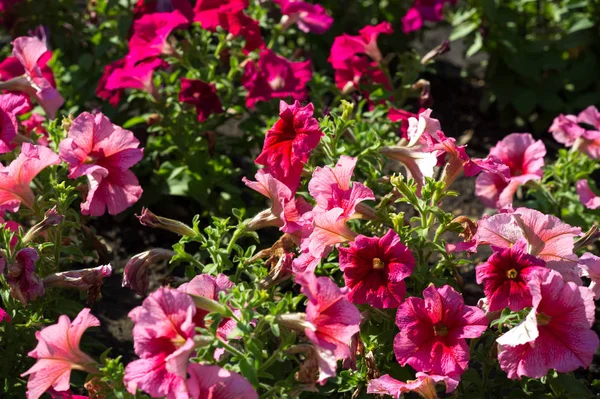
column 203, row 96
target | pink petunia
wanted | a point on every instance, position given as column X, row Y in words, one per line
column 582, row 132
column 143, row 7
column 163, row 338
column 332, row 188
column 34, row 124
column 424, row 385
column 333, row 321
column 374, row 269
column 104, row 153
column 505, row 275
column 151, row 33
column 402, row 116
column 137, row 76
column 288, row 144
column 57, row 353
column 309, row 17
column 590, row 268
column 328, row 229
column 525, row 160
column 433, row 331
column 548, row 238
column 25, row 284
column 587, row 197
column 4, row 316
column 33, row 56
column 113, row 96
column 203, row 96
column 566, row 130
column 556, row 334
column 10, row 106
column 16, row 177
column 421, row 11
column 274, row 76
column 214, row 382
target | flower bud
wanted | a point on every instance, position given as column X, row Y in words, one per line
column 295, row 321
column 347, row 110
column 135, row 275
column 51, row 218
column 147, row 218
column 83, row 279
column 263, row 219
column 444, row 47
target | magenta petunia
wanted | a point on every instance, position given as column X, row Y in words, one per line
column 163, row 338
column 104, row 153
column 288, row 144
column 588, row 198
column 113, row 96
column 11, row 105
column 138, row 76
column 525, row 160
column 274, row 76
column 421, row 11
column 333, row 188
column 203, row 96
column 374, row 269
column 25, row 284
column 143, row 7
column 17, row 176
column 424, row 385
column 505, row 275
column 309, row 17
column 433, row 331
column 214, row 382
column 57, row 353
column 208, row 12
column 333, row 319
column 556, row 334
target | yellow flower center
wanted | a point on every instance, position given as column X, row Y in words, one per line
column 512, row 274
column 378, row 264
column 440, row 330
column 542, row 319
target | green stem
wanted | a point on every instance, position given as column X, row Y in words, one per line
column 241, row 229
column 231, row 349
column 271, row 359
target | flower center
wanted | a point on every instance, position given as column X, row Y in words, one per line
column 378, row 264
column 440, row 330
column 512, row 274
column 542, row 319
column 277, row 83
column 89, row 160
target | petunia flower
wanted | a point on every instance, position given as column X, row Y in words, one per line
column 203, row 96
column 113, row 96
column 25, row 284
column 332, row 321
column 163, row 338
column 556, row 334
column 10, row 106
column 421, row 11
column 374, row 269
column 309, row 17
column 525, row 160
column 16, row 177
column 332, row 188
column 214, row 382
column 82, row 279
column 328, row 229
column 135, row 274
column 424, row 385
column 33, row 56
column 274, row 76
column 4, row 316
column 151, row 33
column 207, row 12
column 288, row 144
column 582, row 132
column 505, row 275
column 34, row 124
column 548, row 238
column 57, row 353
column 104, row 153
column 137, row 76
column 587, row 197
column 433, row 331
column 590, row 268
column 402, row 116
column 143, row 7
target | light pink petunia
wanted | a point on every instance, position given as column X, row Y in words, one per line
column 505, row 275
column 421, row 11
column 424, row 385
column 25, row 284
column 582, row 132
column 374, row 269
column 332, row 188
column 57, row 353
column 328, row 230
column 151, row 33
column 138, row 76
column 214, row 382
column 274, row 76
column 433, row 331
column 163, row 338
column 566, row 130
column 587, row 197
column 16, row 177
column 104, row 153
column 10, row 106
column 309, row 17
column 288, row 144
column 33, row 55
column 525, row 160
column 590, row 268
column 556, row 334
column 548, row 238
column 333, row 319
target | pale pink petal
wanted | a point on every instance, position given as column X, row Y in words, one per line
column 214, row 382
column 587, row 197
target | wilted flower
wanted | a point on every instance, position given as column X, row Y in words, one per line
column 84, row 279
column 135, row 275
column 25, row 284
column 274, row 76
column 309, row 17
column 10, row 106
column 374, row 269
column 149, row 219
column 421, row 11
column 203, row 96
column 214, row 382
column 104, row 153
column 51, row 218
column 587, row 197
column 556, row 334
column 424, row 385
column 163, row 338
column 58, row 353
column 16, row 177
column 433, row 331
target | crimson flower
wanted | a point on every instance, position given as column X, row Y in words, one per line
column 203, row 96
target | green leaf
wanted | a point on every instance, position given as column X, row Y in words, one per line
column 249, row 371
column 581, row 24
column 476, row 46
column 463, row 30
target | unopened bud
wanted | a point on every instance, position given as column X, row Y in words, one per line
column 135, row 275
column 51, row 218
column 347, row 110
column 149, row 219
column 264, row 219
column 444, row 47
column 295, row 321
column 66, row 123
column 589, row 238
